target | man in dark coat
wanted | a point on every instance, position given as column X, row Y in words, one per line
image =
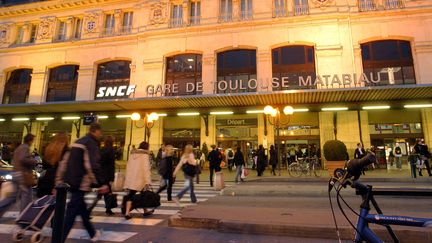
column 261, row 160
column 423, row 150
column 215, row 159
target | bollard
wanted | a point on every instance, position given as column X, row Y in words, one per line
column 59, row 213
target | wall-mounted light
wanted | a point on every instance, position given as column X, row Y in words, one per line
column 335, row 109
column 44, row 118
column 188, row 114
column 20, row 119
column 135, row 116
column 70, row 118
column 221, row 113
column 376, row 107
column 418, row 106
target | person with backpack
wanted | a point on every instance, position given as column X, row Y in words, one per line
column 230, row 159
column 188, row 165
column 239, row 163
column 165, row 170
column 215, row 159
column 398, row 156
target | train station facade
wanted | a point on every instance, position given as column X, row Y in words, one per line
column 358, row 71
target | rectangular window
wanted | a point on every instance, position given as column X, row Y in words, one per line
column 279, row 8
column 20, row 35
column 33, row 31
column 109, row 24
column 225, row 11
column 301, row 7
column 195, row 13
column 127, row 22
column 393, row 4
column 366, row 5
column 77, row 28
column 176, row 15
column 61, row 31
column 246, row 9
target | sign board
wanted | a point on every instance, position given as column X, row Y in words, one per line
column 121, row 91
column 237, row 122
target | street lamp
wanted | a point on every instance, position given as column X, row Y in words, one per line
column 275, row 118
column 149, row 120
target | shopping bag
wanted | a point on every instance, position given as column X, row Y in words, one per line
column 118, row 183
column 219, row 181
column 111, row 201
column 245, row 173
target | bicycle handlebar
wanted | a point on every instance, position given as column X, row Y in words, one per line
column 356, row 166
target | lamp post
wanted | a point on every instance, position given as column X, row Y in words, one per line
column 275, row 118
column 134, row 117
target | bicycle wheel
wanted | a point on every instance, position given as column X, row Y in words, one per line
column 295, row 170
column 317, row 169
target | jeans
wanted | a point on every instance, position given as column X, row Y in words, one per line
column 168, row 183
column 25, row 195
column 75, row 207
column 413, row 170
column 188, row 186
column 398, row 161
column 213, row 169
column 239, row 170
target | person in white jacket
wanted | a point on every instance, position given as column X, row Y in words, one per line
column 138, row 176
column 188, row 165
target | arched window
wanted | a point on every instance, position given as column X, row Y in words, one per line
column 183, row 74
column 391, row 60
column 290, row 64
column 17, row 86
column 112, row 74
column 236, row 71
column 62, row 83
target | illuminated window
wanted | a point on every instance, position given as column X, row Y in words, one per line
column 17, row 86
column 390, row 59
column 62, row 83
column 183, row 70
column 113, row 73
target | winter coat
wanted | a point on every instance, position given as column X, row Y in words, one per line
column 238, row 159
column 358, row 155
column 273, row 157
column 46, row 183
column 261, row 159
column 24, row 163
column 80, row 166
column 168, row 170
column 138, row 170
column 107, row 163
column 215, row 158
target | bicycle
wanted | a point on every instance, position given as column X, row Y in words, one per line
column 305, row 166
column 350, row 178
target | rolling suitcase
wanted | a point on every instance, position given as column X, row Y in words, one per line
column 34, row 217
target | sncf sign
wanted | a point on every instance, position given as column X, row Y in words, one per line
column 122, row 91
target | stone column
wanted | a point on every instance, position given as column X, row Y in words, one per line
column 365, row 133
column 36, row 130
column 426, row 114
column 348, row 130
column 86, row 84
column 2, row 85
column 211, row 138
column 208, row 73
column 185, row 16
column 69, row 28
column 326, row 127
column 37, row 86
column 236, row 10
column 269, row 139
column 264, row 70
column 118, row 21
column 156, row 135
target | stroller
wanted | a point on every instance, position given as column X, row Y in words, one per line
column 34, row 217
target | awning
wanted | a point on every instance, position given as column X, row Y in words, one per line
column 318, row 97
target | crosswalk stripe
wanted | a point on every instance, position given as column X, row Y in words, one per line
column 112, row 236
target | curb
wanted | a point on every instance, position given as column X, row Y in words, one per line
column 304, row 231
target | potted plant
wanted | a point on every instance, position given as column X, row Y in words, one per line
column 335, row 152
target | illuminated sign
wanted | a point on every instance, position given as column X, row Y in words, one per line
column 122, row 91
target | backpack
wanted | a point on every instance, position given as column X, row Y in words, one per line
column 189, row 169
column 230, row 154
column 162, row 167
column 398, row 150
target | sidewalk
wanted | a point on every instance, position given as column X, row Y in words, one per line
column 301, row 215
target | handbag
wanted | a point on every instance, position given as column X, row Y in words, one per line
column 118, row 183
column 189, row 169
column 146, row 199
column 111, row 201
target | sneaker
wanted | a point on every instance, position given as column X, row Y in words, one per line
column 177, row 201
column 96, row 237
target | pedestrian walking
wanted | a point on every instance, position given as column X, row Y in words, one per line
column 80, row 169
column 138, row 176
column 230, row 159
column 398, row 156
column 273, row 159
column 166, row 171
column 23, row 164
column 359, row 152
column 215, row 159
column 239, row 163
column 423, row 150
column 54, row 153
column 261, row 160
column 107, row 170
column 188, row 165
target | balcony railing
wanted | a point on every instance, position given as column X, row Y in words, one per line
column 225, row 17
column 125, row 30
column 176, row 22
column 279, row 12
column 393, row 4
column 246, row 15
column 366, row 5
column 194, row 20
column 301, row 9
column 60, row 38
column 108, row 32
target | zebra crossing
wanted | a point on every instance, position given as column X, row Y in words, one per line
column 102, row 221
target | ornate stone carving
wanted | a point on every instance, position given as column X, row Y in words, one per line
column 91, row 23
column 322, row 3
column 46, row 29
column 158, row 13
column 3, row 33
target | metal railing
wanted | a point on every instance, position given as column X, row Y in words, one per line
column 301, row 9
column 279, row 12
column 393, row 4
column 246, row 15
column 108, row 32
column 176, row 22
column 366, row 5
column 194, row 20
column 125, row 30
column 225, row 17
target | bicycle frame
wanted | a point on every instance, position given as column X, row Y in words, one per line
column 365, row 233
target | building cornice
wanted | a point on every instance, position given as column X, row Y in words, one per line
column 45, row 7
